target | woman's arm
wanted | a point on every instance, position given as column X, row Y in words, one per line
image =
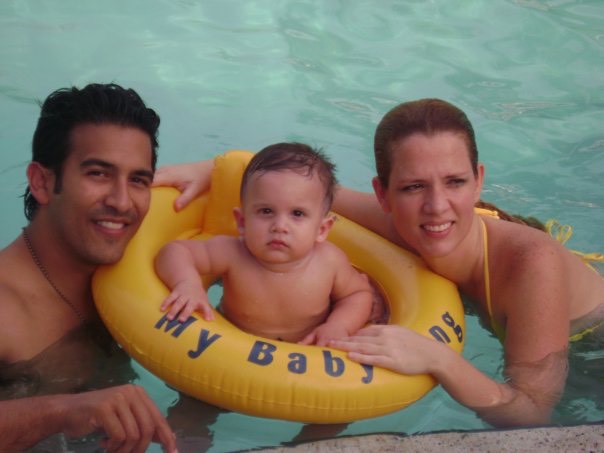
column 407, row 352
column 364, row 209
column 531, row 297
column 501, row 404
column 531, row 293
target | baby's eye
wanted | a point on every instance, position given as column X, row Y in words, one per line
column 265, row 211
column 298, row 213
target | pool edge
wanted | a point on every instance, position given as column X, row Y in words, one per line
column 585, row 437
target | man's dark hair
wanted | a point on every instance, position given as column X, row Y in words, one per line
column 66, row 108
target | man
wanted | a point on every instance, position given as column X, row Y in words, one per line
column 94, row 155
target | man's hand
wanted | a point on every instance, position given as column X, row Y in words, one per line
column 126, row 415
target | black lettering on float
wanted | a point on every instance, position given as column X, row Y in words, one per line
column 334, row 366
column 448, row 319
column 297, row 364
column 369, row 371
column 175, row 322
column 205, row 340
column 458, row 332
column 439, row 334
column 262, row 353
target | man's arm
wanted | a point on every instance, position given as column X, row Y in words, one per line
column 125, row 414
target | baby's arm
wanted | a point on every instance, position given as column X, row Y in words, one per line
column 351, row 298
column 179, row 264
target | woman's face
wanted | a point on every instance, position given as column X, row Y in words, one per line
column 432, row 191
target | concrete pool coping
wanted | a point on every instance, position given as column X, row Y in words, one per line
column 578, row 438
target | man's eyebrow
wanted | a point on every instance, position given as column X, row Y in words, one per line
column 143, row 172
column 93, row 161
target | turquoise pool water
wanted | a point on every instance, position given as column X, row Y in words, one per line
column 242, row 74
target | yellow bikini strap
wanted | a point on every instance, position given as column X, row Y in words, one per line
column 497, row 329
column 579, row 336
column 487, row 278
column 486, row 212
column 562, row 233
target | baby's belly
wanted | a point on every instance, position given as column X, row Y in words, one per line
column 290, row 327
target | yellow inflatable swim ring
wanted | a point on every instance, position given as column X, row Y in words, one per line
column 217, row 363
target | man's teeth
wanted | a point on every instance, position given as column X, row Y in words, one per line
column 111, row 225
column 437, row 228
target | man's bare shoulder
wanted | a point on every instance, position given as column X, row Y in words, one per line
column 12, row 319
column 11, row 276
column 14, row 301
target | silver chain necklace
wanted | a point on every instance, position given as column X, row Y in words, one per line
column 47, row 277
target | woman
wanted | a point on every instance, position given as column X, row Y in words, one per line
column 535, row 292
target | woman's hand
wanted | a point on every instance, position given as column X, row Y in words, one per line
column 192, row 179
column 393, row 347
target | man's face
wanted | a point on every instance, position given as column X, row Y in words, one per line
column 104, row 191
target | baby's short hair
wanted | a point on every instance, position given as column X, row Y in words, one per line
column 297, row 157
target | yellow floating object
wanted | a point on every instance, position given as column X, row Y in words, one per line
column 218, row 363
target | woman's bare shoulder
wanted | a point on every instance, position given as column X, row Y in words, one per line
column 510, row 241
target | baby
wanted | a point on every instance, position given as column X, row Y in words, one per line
column 281, row 278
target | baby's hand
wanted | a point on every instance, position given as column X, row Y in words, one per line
column 323, row 334
column 185, row 298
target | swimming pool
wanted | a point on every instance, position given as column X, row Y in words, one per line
column 242, row 74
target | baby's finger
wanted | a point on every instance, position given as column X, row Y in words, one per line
column 168, row 301
column 185, row 312
column 369, row 331
column 207, row 312
column 322, row 341
column 309, row 339
column 176, row 308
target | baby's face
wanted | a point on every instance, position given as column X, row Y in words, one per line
column 283, row 215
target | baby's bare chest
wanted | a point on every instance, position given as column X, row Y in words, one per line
column 296, row 292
